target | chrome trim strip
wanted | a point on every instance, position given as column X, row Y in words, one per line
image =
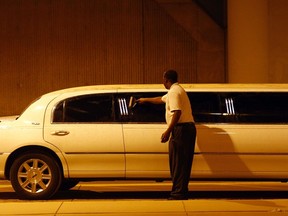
column 116, row 153
column 196, row 153
column 240, row 153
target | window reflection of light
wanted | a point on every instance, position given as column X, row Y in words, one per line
column 120, row 106
column 230, row 106
column 123, row 106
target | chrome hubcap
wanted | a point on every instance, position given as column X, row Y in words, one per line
column 34, row 175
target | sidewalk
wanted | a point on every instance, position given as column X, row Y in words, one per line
column 150, row 208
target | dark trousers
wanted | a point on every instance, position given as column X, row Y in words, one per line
column 181, row 152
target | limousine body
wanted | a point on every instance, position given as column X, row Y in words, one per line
column 97, row 132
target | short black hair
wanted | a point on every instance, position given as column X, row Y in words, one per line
column 171, row 75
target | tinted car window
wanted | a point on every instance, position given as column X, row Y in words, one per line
column 240, row 107
column 260, row 107
column 88, row 108
column 206, row 107
column 144, row 113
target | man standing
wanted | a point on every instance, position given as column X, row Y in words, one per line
column 181, row 131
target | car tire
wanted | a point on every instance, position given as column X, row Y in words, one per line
column 35, row 176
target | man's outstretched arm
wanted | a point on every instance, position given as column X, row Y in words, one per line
column 154, row 100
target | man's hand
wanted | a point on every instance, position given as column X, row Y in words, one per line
column 165, row 136
column 141, row 100
column 155, row 100
column 175, row 118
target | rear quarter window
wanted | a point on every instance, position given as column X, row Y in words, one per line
column 88, row 108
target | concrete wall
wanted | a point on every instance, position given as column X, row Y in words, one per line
column 257, row 41
column 52, row 44
column 278, row 41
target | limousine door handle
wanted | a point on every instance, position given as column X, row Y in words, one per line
column 60, row 133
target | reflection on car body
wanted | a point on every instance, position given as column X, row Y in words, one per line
column 99, row 132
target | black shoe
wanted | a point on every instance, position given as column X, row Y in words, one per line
column 177, row 198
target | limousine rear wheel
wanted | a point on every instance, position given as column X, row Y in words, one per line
column 35, row 176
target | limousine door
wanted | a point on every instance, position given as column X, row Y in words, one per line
column 146, row 156
column 218, row 148
column 83, row 128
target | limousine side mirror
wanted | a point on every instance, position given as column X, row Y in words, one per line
column 132, row 102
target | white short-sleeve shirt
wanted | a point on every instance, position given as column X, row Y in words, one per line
column 177, row 99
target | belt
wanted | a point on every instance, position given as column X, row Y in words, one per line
column 184, row 123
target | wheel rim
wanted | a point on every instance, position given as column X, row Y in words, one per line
column 34, row 176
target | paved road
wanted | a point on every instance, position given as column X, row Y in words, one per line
column 149, row 198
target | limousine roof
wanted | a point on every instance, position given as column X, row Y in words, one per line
column 188, row 87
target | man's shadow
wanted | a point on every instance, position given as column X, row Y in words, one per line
column 216, row 155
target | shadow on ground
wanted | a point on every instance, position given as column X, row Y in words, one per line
column 144, row 195
column 79, row 194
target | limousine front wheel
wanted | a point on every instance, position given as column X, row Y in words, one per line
column 35, row 176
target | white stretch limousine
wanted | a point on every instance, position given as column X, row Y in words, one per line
column 95, row 132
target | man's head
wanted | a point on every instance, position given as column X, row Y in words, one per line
column 169, row 78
